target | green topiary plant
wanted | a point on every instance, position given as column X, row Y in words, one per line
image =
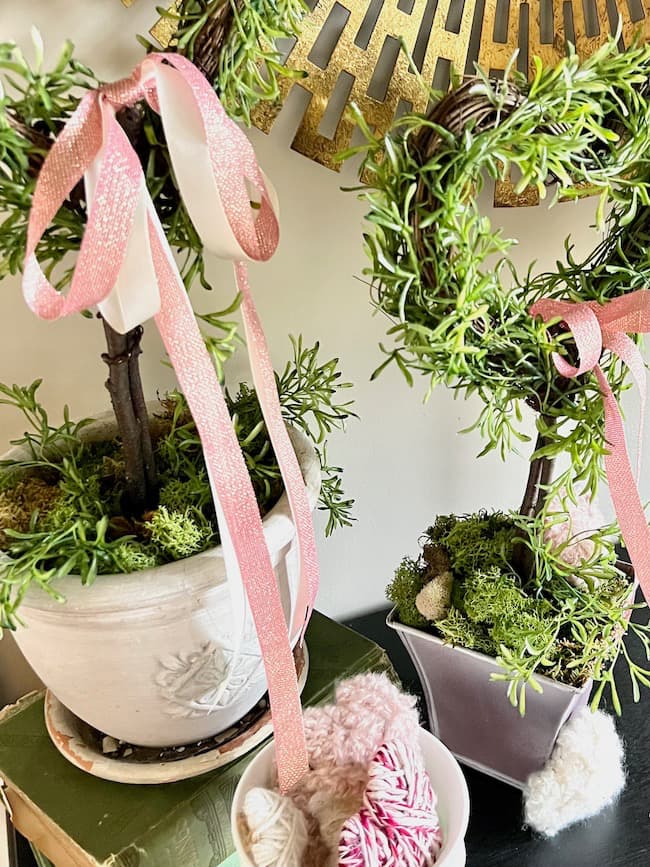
column 71, row 507
column 233, row 44
column 460, row 315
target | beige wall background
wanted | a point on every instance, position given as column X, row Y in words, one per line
column 404, row 460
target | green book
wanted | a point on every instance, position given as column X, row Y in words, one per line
column 77, row 820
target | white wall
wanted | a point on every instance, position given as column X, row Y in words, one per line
column 404, row 461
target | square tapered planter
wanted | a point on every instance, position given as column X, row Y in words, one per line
column 472, row 715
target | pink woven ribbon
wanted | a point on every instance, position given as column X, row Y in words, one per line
column 606, row 326
column 126, row 268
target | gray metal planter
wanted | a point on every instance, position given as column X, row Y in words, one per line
column 472, row 715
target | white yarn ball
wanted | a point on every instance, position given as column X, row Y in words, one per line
column 277, row 829
column 584, row 774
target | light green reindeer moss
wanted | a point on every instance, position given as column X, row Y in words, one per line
column 179, row 534
column 542, row 626
column 405, row 586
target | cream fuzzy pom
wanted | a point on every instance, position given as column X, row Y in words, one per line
column 584, row 774
column 277, row 830
column 434, row 600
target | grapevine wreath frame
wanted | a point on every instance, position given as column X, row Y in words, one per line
column 441, row 272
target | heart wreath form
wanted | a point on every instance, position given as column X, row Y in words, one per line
column 560, row 342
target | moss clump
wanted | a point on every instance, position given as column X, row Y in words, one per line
column 402, row 590
column 178, row 496
column 134, row 556
column 487, row 609
column 490, row 596
column 62, row 515
column 480, row 541
column 457, row 629
column 18, row 504
column 179, row 534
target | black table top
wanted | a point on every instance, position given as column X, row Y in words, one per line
column 618, row 836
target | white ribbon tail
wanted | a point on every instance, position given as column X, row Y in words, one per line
column 193, row 168
column 135, row 296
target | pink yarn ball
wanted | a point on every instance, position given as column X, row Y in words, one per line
column 398, row 825
column 369, row 711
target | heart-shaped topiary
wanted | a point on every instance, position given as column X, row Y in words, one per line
column 442, row 273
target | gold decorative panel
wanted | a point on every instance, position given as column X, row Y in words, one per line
column 543, row 27
column 351, row 51
column 347, row 49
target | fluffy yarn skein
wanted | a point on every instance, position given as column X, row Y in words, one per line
column 276, row 827
column 397, row 825
column 584, row 774
column 369, row 711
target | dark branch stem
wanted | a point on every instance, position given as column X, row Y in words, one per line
column 141, row 413
column 539, row 476
column 125, row 388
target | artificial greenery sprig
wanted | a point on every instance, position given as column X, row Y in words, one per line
column 34, row 105
column 552, row 625
column 242, row 57
column 60, row 509
column 459, row 308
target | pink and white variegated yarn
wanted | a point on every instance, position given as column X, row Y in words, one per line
column 367, row 799
column 398, row 825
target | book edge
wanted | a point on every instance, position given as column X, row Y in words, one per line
column 48, row 837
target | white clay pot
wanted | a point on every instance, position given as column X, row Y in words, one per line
column 141, row 657
column 446, row 778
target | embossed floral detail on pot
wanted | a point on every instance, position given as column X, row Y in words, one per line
column 142, row 656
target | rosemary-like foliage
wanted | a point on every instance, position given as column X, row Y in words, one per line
column 460, row 316
column 459, row 308
column 247, row 65
column 76, row 526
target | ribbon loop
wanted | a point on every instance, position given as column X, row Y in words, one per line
column 595, row 327
column 126, row 267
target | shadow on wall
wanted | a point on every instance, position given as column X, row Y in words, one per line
column 16, row 677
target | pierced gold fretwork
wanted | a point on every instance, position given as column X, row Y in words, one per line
column 361, row 54
column 541, row 28
column 348, row 58
column 349, row 51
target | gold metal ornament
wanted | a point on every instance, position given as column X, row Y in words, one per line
column 164, row 30
column 350, row 52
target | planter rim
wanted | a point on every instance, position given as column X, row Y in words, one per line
column 393, row 622
column 114, row 592
column 453, row 850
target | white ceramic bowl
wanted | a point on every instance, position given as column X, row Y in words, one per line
column 446, row 778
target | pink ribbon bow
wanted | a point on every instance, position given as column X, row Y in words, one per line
column 125, row 266
column 606, row 326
